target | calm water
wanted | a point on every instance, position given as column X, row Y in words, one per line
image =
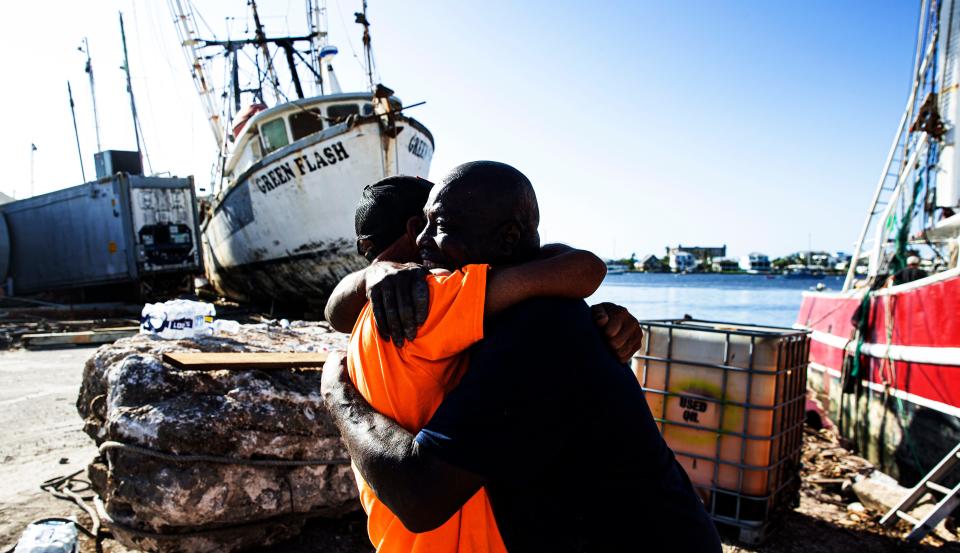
column 757, row 299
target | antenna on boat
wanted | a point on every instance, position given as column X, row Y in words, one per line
column 73, row 112
column 361, row 18
column 133, row 104
column 317, row 19
column 88, row 69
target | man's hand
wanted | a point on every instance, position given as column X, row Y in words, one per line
column 622, row 330
column 400, row 299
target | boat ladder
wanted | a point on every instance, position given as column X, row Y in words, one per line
column 951, row 498
column 906, row 156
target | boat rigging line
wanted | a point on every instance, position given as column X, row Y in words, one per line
column 88, row 69
column 261, row 40
column 76, row 134
column 186, row 31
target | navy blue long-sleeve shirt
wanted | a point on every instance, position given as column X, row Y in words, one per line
column 561, row 432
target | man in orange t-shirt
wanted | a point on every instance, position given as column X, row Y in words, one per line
column 408, row 383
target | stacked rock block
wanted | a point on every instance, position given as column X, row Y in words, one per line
column 224, row 460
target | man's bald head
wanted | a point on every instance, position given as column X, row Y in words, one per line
column 481, row 212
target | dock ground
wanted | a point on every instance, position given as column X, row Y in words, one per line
column 41, row 437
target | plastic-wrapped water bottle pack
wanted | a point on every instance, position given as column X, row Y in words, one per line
column 179, row 319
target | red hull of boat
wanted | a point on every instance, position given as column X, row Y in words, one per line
column 910, row 383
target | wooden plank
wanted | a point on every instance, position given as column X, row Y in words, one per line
column 55, row 339
column 215, row 361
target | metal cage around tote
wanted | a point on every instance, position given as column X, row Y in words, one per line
column 746, row 489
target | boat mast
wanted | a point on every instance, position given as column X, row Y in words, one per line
column 187, row 33
column 76, row 133
column 317, row 19
column 381, row 95
column 88, row 69
column 261, row 39
column 361, row 18
column 133, row 103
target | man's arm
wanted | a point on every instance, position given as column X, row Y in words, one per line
column 400, row 296
column 421, row 489
column 560, row 271
column 346, row 301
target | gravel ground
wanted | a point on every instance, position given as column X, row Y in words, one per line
column 41, row 437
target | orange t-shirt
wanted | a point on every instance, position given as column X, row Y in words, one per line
column 407, row 384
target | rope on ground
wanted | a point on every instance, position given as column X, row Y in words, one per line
column 70, row 488
column 183, row 458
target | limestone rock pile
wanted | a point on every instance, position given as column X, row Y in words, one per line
column 130, row 396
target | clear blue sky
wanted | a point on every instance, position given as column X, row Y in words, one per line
column 755, row 124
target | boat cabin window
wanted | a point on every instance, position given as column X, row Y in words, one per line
column 305, row 122
column 368, row 109
column 274, row 135
column 339, row 112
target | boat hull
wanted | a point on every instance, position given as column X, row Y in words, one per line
column 903, row 409
column 284, row 231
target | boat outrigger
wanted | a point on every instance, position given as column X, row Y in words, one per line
column 279, row 226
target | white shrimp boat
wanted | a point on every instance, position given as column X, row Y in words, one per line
column 280, row 225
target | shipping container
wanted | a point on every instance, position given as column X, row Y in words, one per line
column 120, row 229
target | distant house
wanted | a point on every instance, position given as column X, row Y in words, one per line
column 755, row 262
column 703, row 255
column 681, row 261
column 650, row 264
column 725, row 265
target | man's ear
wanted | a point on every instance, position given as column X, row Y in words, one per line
column 509, row 237
column 365, row 247
column 415, row 226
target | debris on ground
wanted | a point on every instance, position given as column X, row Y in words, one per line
column 17, row 323
column 831, row 516
column 46, row 318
